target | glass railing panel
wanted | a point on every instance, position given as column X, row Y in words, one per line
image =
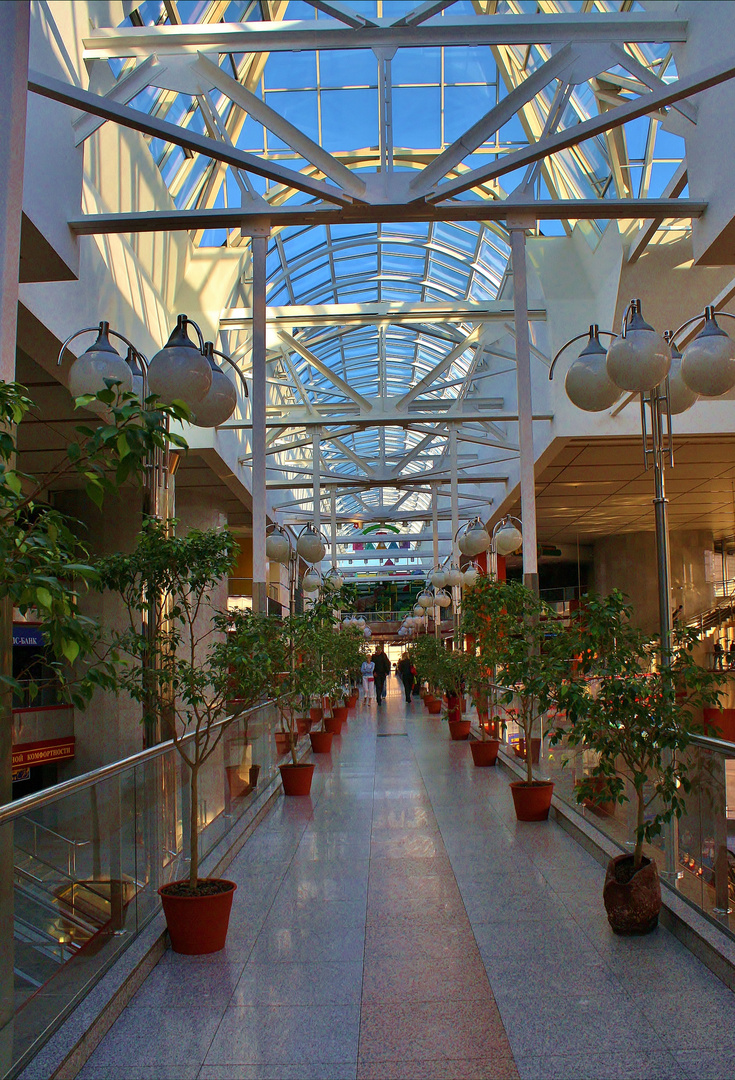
column 695, row 854
column 86, row 864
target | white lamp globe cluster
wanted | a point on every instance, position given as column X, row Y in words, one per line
column 640, row 359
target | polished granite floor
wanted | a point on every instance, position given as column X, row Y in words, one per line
column 399, row 923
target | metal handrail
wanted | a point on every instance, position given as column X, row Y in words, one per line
column 86, row 780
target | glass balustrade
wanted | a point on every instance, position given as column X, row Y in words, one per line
column 86, row 860
column 696, row 854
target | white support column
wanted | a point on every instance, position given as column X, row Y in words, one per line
column 258, row 407
column 454, row 489
column 333, row 525
column 316, row 476
column 14, row 33
column 435, row 536
column 517, row 227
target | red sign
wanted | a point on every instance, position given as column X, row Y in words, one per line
column 43, row 753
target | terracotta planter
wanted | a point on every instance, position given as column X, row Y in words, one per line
column 352, row 701
column 459, row 729
column 316, row 712
column 303, row 725
column 532, row 801
column 632, row 906
column 434, row 706
column 198, row 924
column 235, row 785
column 297, row 779
column 484, row 753
column 333, row 725
column 321, row 741
column 283, row 742
column 520, row 750
column 339, row 712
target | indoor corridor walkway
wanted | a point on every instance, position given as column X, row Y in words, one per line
column 400, row 923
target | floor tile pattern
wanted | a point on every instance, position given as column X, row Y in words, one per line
column 400, row 923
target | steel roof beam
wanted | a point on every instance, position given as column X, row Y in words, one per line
column 374, row 314
column 533, row 29
column 56, row 90
column 667, row 94
column 368, row 214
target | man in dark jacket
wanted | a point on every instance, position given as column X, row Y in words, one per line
column 408, row 674
column 382, row 670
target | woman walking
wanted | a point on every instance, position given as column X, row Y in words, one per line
column 367, row 671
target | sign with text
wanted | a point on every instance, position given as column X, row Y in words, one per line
column 43, row 753
column 27, row 635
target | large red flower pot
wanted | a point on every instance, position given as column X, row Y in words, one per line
column 303, row 724
column 316, row 712
column 333, row 725
column 339, row 712
column 532, row 801
column 198, row 924
column 297, row 779
column 632, row 899
column 352, row 701
column 321, row 741
column 484, row 753
column 434, row 706
column 459, row 729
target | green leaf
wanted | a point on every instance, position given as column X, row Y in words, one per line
column 95, row 492
column 70, row 649
column 44, row 598
column 13, row 481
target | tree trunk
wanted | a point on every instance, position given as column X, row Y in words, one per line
column 194, row 827
column 638, row 850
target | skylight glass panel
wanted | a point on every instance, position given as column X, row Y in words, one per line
column 348, row 67
column 300, row 108
column 349, row 119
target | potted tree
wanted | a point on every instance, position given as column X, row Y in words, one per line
column 186, row 671
column 517, row 633
column 639, row 718
column 428, row 655
column 477, row 675
column 453, row 673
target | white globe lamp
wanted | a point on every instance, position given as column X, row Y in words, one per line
column 99, row 362
column 218, row 404
column 310, row 545
column 454, row 575
column 470, row 576
column 639, row 360
column 180, row 371
column 477, row 538
column 278, row 546
column 507, row 538
column 681, row 397
column 708, row 362
column 310, row 582
column 588, row 384
column 425, row 599
column 438, row 579
column 367, row 632
column 443, row 599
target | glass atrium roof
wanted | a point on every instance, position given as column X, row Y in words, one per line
column 397, row 111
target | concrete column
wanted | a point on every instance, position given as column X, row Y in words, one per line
column 14, row 33
column 525, row 407
column 258, row 406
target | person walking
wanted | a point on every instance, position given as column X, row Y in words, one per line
column 407, row 672
column 367, row 671
column 381, row 666
column 719, row 655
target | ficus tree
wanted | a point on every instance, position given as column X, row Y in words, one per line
column 202, row 668
column 638, row 714
column 520, row 637
column 43, row 558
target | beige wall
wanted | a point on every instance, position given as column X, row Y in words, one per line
column 628, row 563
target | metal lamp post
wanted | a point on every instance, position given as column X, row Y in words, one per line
column 641, row 361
